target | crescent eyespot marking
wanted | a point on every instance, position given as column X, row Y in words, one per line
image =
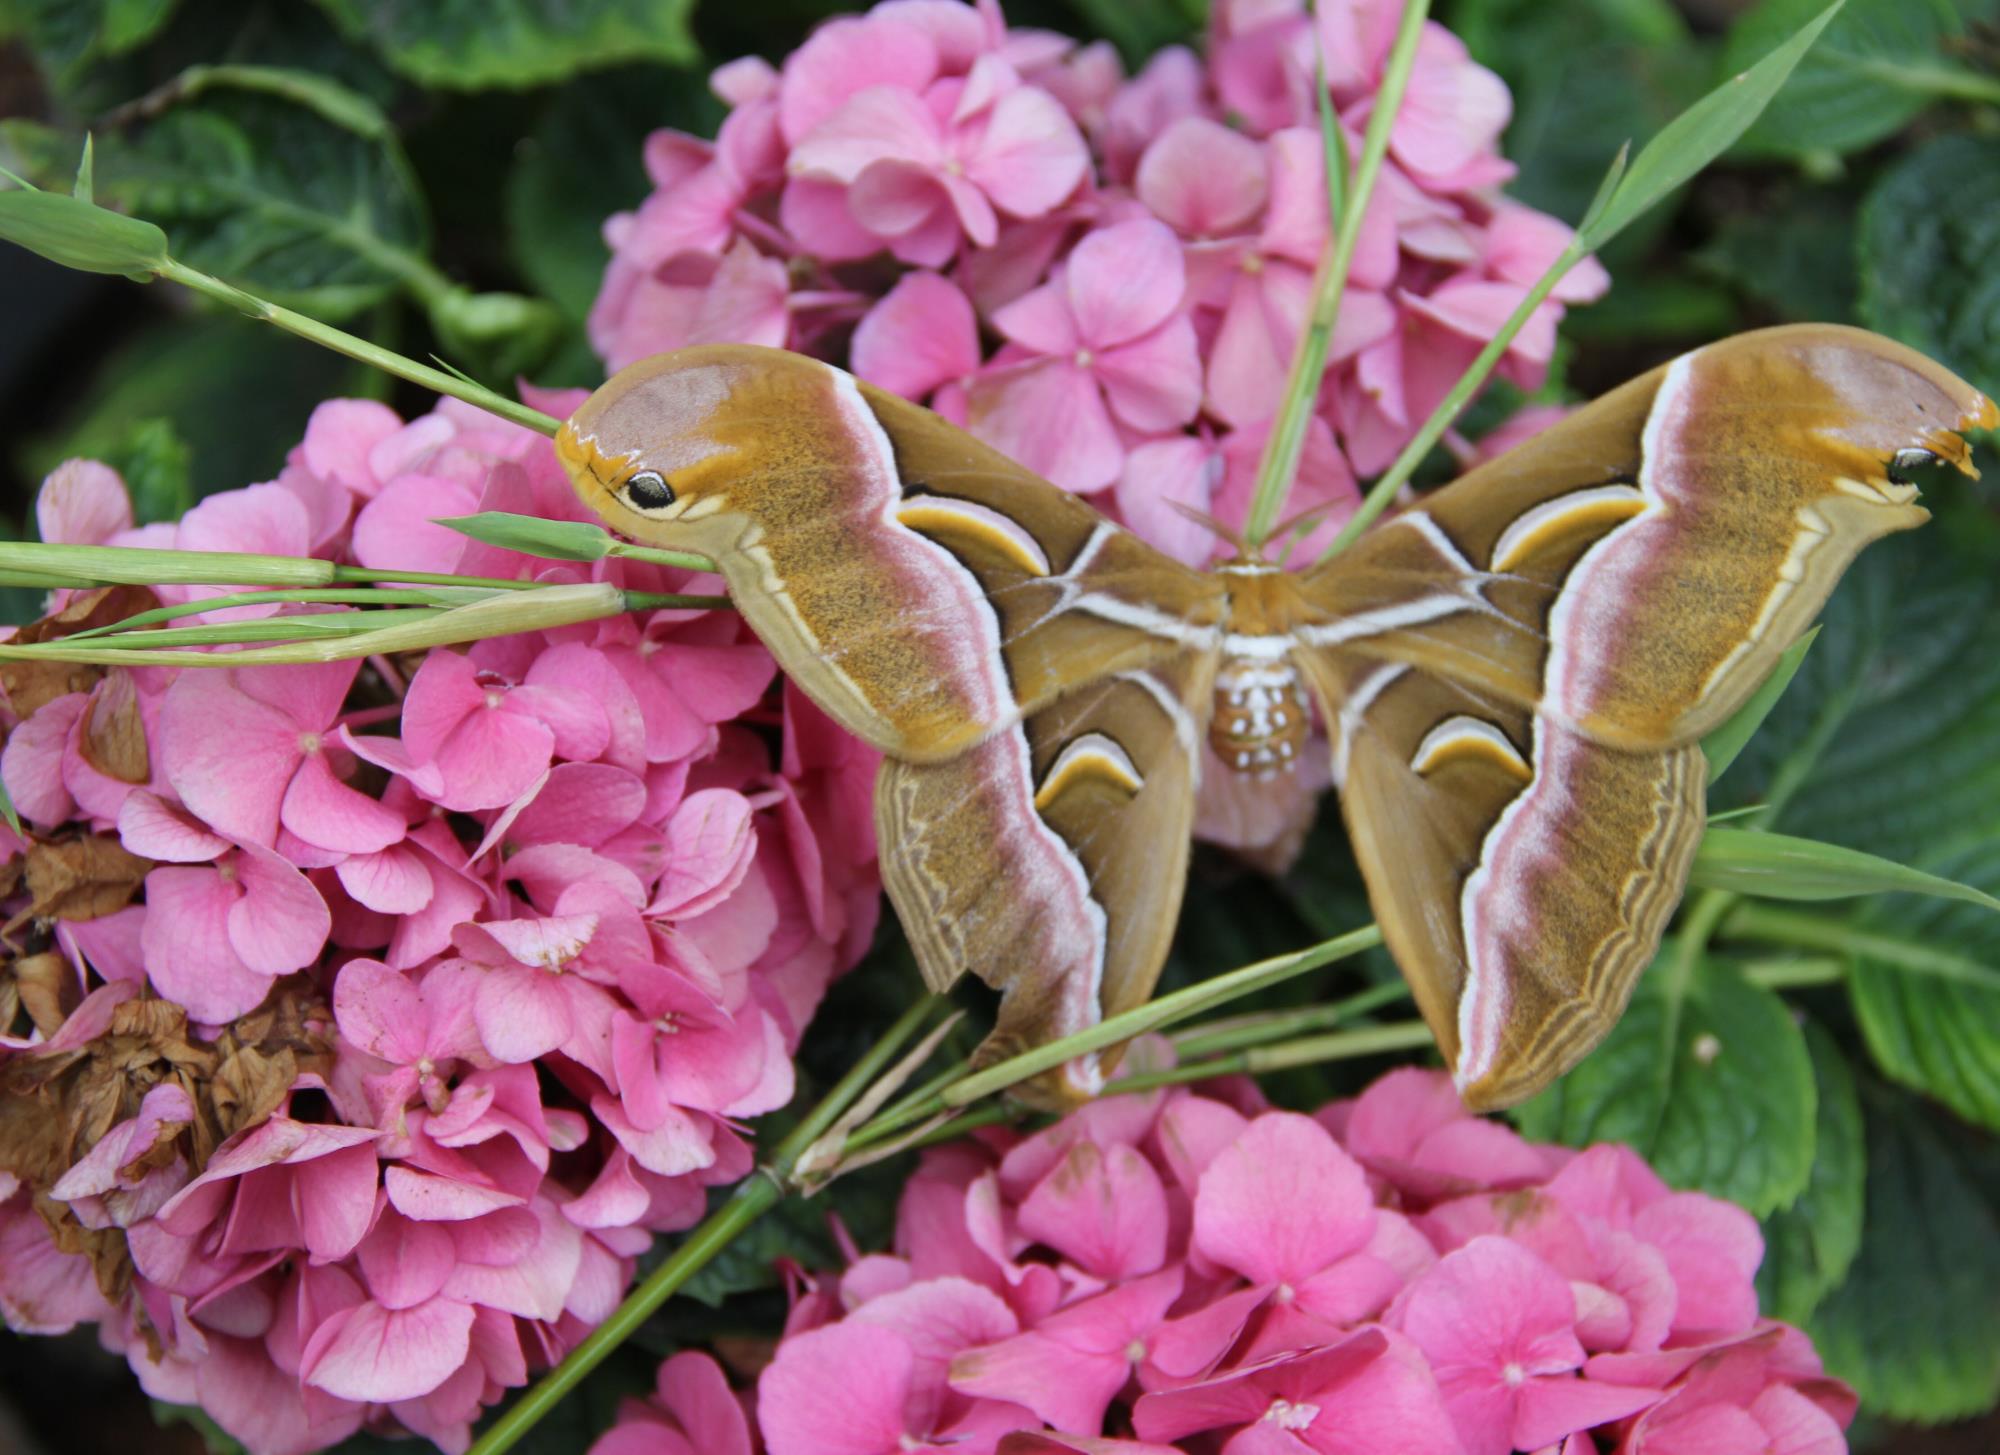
column 1468, row 737
column 1534, row 528
column 1091, row 756
column 935, row 514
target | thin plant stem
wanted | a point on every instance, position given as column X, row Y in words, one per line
column 1305, row 1051
column 357, row 596
column 1800, row 973
column 360, row 349
column 1213, row 1038
column 753, row 1197
column 1286, row 445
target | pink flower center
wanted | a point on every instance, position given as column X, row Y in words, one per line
column 1514, row 1375
column 1285, row 1293
column 1253, row 263
column 494, row 698
column 1136, row 1351
column 668, row 1024
column 227, row 871
column 1288, row 1416
column 309, row 743
column 1085, row 358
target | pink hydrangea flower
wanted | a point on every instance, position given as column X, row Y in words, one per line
column 1207, row 1275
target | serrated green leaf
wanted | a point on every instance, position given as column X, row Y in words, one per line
column 1930, row 253
column 1778, row 866
column 66, row 35
column 1916, row 1326
column 1722, row 746
column 1941, row 1037
column 80, row 235
column 1707, row 1076
column 1809, row 1246
column 1703, row 132
column 555, row 540
column 474, row 44
column 1878, row 65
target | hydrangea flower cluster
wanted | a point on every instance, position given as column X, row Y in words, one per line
column 370, row 1019
column 1103, row 277
column 1192, row 1271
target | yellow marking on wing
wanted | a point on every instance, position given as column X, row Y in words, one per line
column 1459, row 739
column 1091, row 757
column 1599, row 507
column 1876, row 492
column 991, row 530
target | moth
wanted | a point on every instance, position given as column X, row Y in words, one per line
column 1514, row 674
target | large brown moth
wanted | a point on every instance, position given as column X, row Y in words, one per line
column 1514, row 674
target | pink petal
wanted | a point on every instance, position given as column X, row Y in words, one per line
column 879, row 124
column 395, row 881
column 922, row 334
column 522, row 1014
column 1040, row 320
column 186, row 945
column 281, row 923
column 398, row 529
column 1282, row 1202
column 405, row 1262
column 1205, row 179
column 425, row 1198
column 847, row 55
column 1102, row 1208
column 1154, row 382
column 335, row 1196
column 82, row 503
column 892, row 197
column 374, row 1355
column 581, row 803
column 1453, row 112
column 31, row 765
column 1050, row 418
column 1029, row 156
column 1550, row 1408
column 1251, row 352
column 811, row 207
column 710, row 841
column 322, row 810
column 229, row 755
column 838, row 1390
column 443, row 692
column 1065, row 1387
column 154, row 829
column 1124, row 281
column 380, row 1011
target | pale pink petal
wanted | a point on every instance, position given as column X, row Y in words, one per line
column 380, row 1011
column 1549, row 1409
column 1050, row 418
column 229, row 755
column 186, row 945
column 324, row 811
column 882, row 123
column 893, row 197
column 1205, row 179
column 1282, row 1202
column 1029, row 156
column 335, row 1196
column 373, row 1354
column 847, row 55
column 522, row 1014
column 280, row 923
column 1453, row 112
column 398, row 529
column 1067, row 1388
column 1160, row 474
column 154, row 829
column 425, row 1198
column 1040, row 320
column 921, row 335
column 31, row 765
column 1154, row 382
column 710, row 841
column 492, row 757
column 581, row 803
column 82, row 503
column 814, row 208
column 395, row 881
column 1124, row 281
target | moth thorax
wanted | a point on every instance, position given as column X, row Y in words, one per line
column 1260, row 720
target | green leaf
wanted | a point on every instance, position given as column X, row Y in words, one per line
column 1702, row 132
column 267, row 193
column 66, row 35
column 1916, row 1326
column 1940, row 1036
column 556, row 540
column 1707, row 1076
column 1791, row 250
column 1778, row 866
column 1809, row 1245
column 1930, row 253
column 1722, row 746
column 1139, row 31
column 77, row 234
column 472, row 44
column 1879, row 65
